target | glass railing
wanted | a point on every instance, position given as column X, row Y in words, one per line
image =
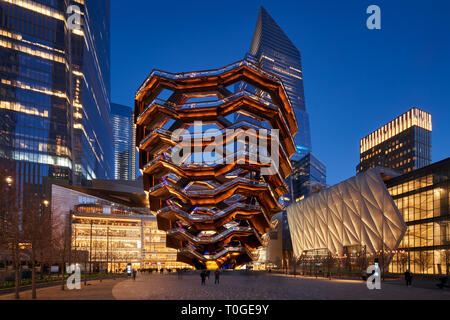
column 212, row 214
column 243, row 250
column 156, row 131
column 218, row 103
column 214, row 72
column 211, row 239
column 208, row 73
column 159, row 102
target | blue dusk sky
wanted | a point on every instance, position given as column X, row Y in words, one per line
column 355, row 79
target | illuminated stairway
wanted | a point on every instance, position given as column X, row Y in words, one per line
column 215, row 213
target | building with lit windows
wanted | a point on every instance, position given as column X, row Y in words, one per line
column 54, row 92
column 404, row 144
column 403, row 221
column 110, row 223
column 274, row 52
column 124, row 135
column 423, row 197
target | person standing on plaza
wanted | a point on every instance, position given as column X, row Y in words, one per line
column 408, row 278
column 203, row 276
column 134, row 274
column 217, row 277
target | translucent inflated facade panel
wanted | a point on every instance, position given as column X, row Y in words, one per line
column 358, row 211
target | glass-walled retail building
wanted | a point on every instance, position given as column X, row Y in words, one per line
column 422, row 198
column 110, row 229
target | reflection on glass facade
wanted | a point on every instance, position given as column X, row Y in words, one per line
column 54, row 92
column 404, row 144
column 422, row 198
column 124, row 134
column 309, row 176
column 272, row 50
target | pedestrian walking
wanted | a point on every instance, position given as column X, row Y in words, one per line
column 217, row 277
column 203, row 276
column 408, row 278
column 134, row 274
column 208, row 274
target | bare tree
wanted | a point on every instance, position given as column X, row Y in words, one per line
column 330, row 262
column 446, row 260
column 402, row 259
column 11, row 233
column 423, row 260
column 35, row 226
column 361, row 261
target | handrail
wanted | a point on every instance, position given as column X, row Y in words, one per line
column 207, row 73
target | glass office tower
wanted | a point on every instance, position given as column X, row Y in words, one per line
column 124, row 133
column 54, row 92
column 274, row 52
column 310, row 175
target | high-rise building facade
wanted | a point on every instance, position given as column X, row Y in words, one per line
column 272, row 50
column 124, row 135
column 310, row 175
column 54, row 92
column 404, row 144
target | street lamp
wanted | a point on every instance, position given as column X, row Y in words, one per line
column 9, row 181
column 46, row 203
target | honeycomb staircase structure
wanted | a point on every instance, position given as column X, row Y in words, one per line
column 215, row 214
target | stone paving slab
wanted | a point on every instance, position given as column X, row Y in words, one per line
column 95, row 290
column 234, row 287
column 263, row 287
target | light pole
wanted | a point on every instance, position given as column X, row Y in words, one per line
column 15, row 245
column 90, row 250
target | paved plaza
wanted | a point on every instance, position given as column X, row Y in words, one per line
column 234, row 287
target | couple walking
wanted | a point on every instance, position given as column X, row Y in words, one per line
column 205, row 274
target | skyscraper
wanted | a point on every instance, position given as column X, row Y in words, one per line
column 124, row 134
column 404, row 144
column 54, row 92
column 272, row 50
column 309, row 175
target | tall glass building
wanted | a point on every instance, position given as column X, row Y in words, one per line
column 272, row 50
column 54, row 92
column 310, row 175
column 124, row 134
